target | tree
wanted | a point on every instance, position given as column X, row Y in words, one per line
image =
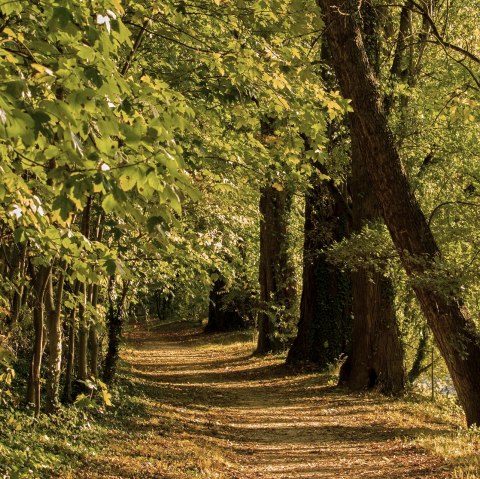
column 277, row 283
column 325, row 308
column 376, row 356
column 453, row 329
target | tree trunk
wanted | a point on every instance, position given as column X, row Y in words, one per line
column 17, row 274
column 325, row 313
column 82, row 357
column 163, row 304
column 376, row 358
column 70, row 362
column 115, row 316
column 54, row 328
column 93, row 346
column 222, row 315
column 454, row 331
column 277, row 279
column 40, row 280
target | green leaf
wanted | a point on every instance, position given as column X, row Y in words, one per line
column 109, row 203
column 64, row 206
column 129, row 178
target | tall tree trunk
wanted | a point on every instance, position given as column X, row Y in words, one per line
column 115, row 318
column 70, row 360
column 325, row 313
column 376, row 358
column 40, row 280
column 93, row 346
column 17, row 275
column 277, row 287
column 82, row 356
column 453, row 329
column 54, row 328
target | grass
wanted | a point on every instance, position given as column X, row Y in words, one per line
column 461, row 448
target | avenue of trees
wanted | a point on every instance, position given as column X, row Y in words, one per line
column 307, row 168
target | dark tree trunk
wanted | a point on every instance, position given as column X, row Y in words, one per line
column 277, row 279
column 115, row 317
column 85, row 290
column 376, row 358
column 222, row 315
column 454, row 331
column 163, row 304
column 18, row 271
column 325, row 308
column 93, row 345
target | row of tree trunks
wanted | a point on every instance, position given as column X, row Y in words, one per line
column 454, row 331
column 46, row 296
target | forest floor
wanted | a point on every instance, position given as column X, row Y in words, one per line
column 206, row 408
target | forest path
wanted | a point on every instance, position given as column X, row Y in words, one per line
column 209, row 409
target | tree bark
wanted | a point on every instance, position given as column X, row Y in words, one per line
column 325, row 307
column 54, row 328
column 19, row 264
column 40, row 280
column 376, row 357
column 115, row 317
column 277, row 286
column 222, row 315
column 82, row 357
column 93, row 346
column 70, row 361
column 454, row 331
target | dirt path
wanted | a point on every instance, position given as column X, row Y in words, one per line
column 209, row 409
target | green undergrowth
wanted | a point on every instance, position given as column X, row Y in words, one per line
column 52, row 445
column 40, row 448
